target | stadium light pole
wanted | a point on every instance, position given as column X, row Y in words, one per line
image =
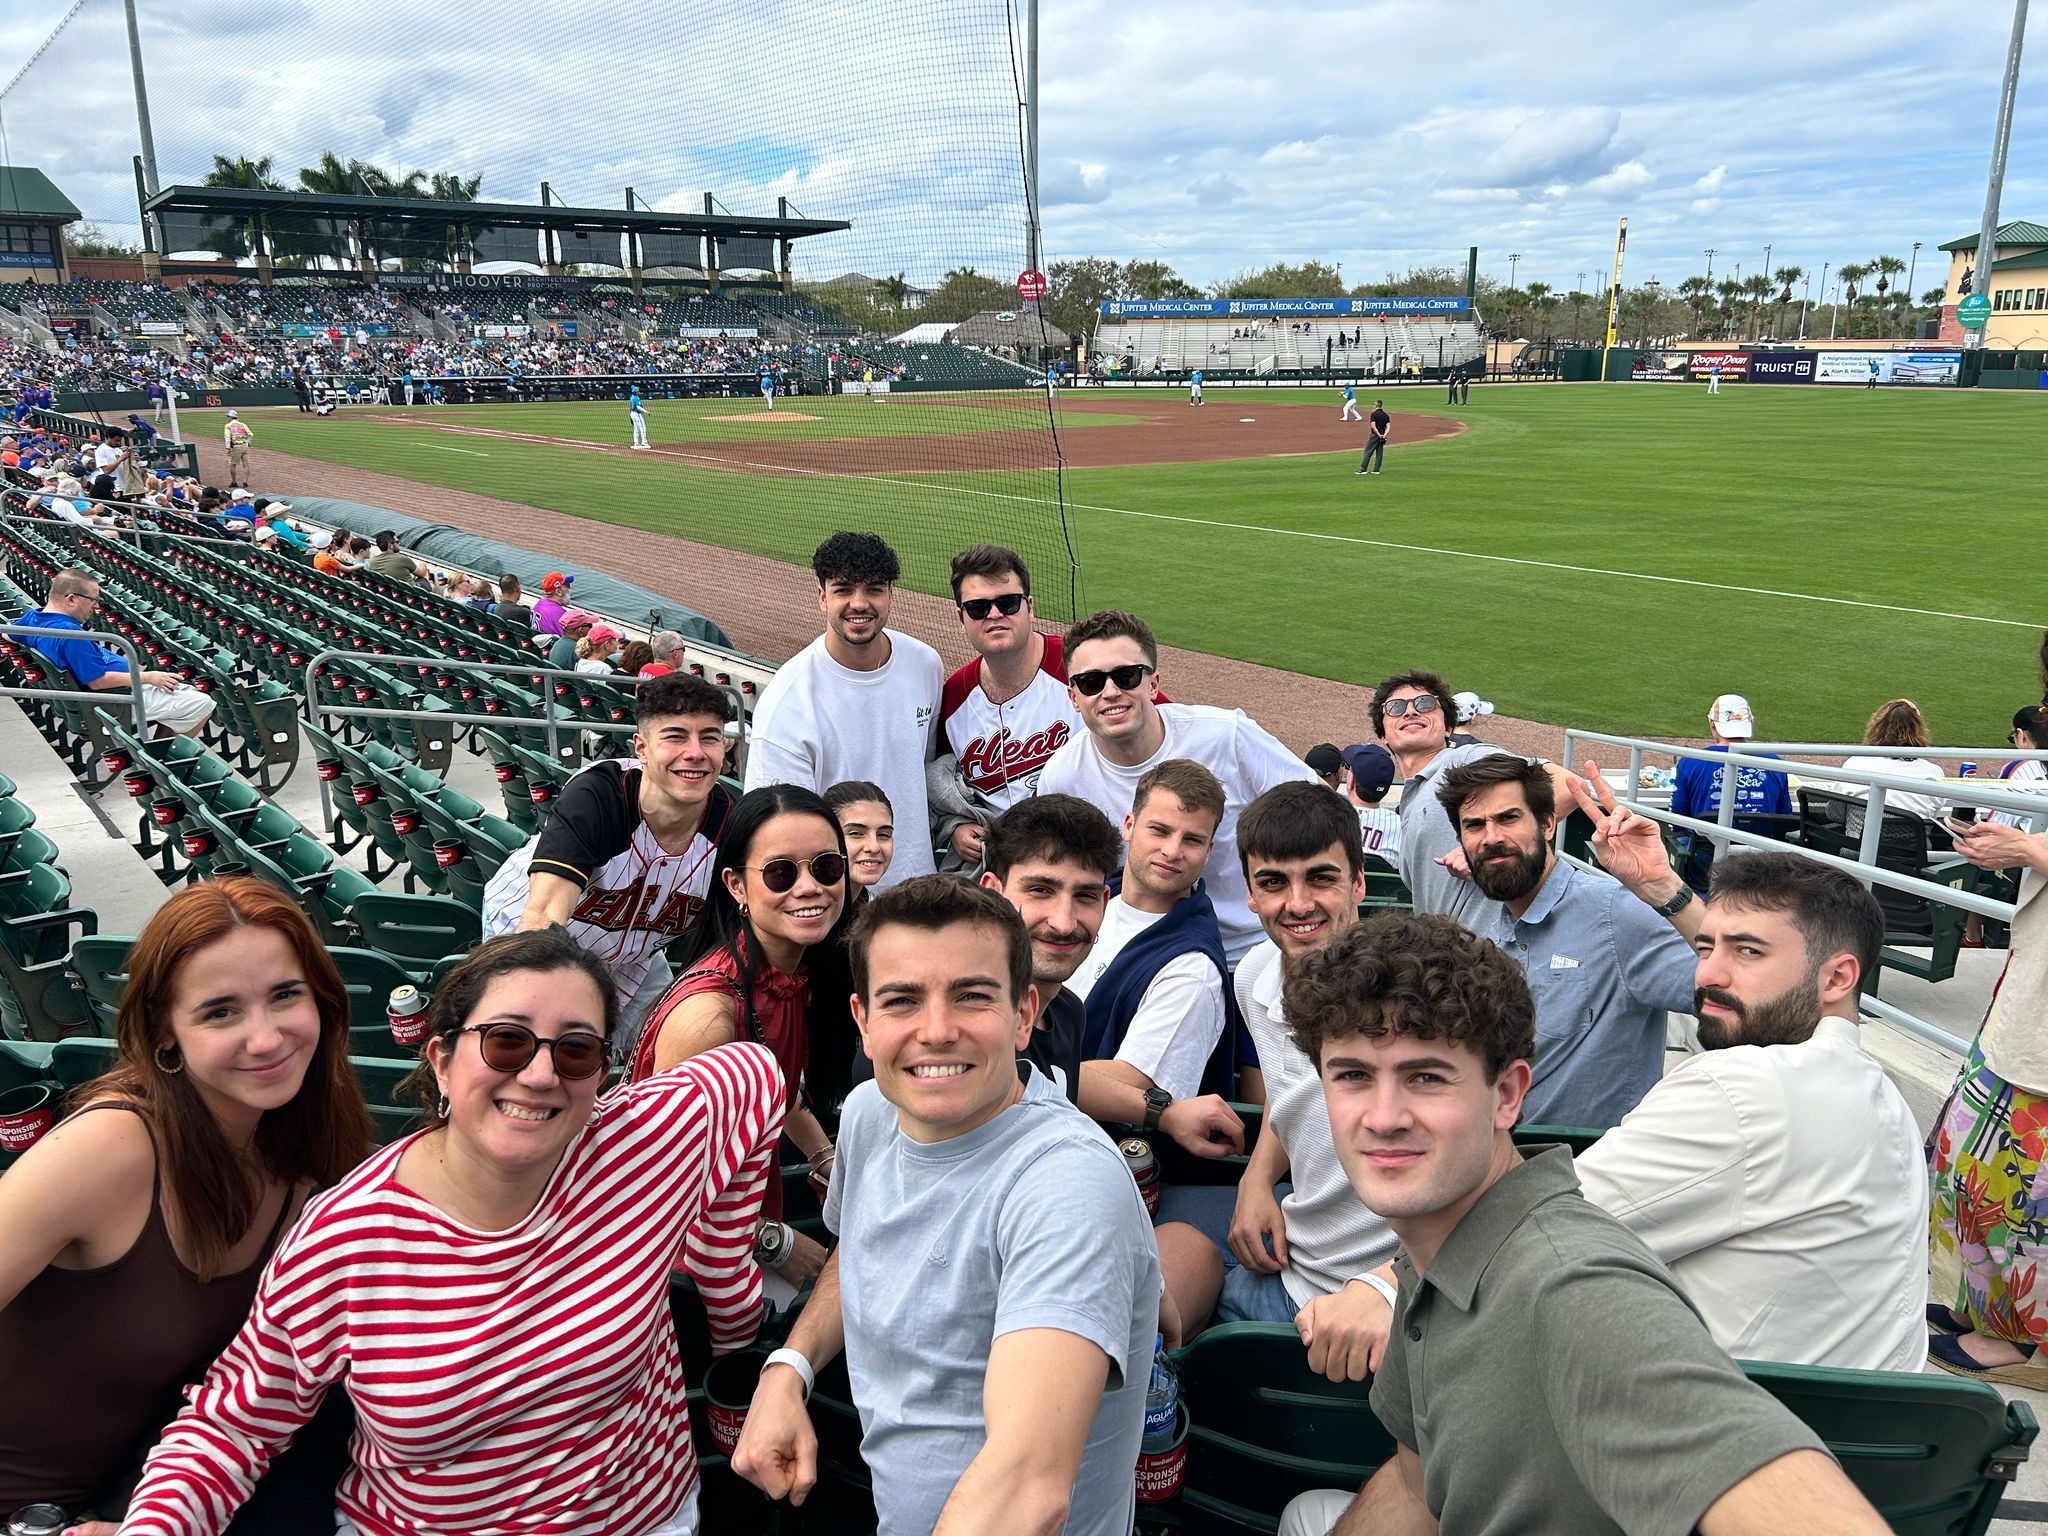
column 1513, row 257
column 141, row 100
column 1711, row 253
column 2001, row 139
column 1806, row 301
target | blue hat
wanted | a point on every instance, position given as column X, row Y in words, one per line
column 1372, row 770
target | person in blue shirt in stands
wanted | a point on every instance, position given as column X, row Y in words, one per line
column 1759, row 792
column 169, row 704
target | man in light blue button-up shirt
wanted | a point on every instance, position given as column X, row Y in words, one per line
column 1604, row 968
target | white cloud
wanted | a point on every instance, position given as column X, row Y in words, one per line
column 1710, row 183
column 1628, row 177
column 1068, row 181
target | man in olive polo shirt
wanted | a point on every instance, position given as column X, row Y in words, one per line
column 1544, row 1374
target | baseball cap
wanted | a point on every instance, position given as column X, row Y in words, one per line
column 265, row 532
column 603, row 634
column 231, row 415
column 1372, row 769
column 552, row 580
column 1730, row 716
column 1324, row 758
column 240, row 493
column 575, row 617
column 320, row 539
column 1470, row 706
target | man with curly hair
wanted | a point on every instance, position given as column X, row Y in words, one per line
column 1544, row 1373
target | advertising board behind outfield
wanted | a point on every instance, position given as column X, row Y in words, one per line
column 1733, row 365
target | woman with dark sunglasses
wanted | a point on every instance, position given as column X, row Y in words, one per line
column 778, row 895
column 492, row 1292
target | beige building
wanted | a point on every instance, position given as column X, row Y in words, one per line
column 2017, row 285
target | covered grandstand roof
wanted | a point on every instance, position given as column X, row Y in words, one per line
column 245, row 201
column 2018, row 232
column 26, row 190
column 930, row 331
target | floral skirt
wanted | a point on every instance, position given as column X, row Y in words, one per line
column 1989, row 1210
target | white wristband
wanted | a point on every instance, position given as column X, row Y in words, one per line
column 797, row 1363
column 1386, row 1291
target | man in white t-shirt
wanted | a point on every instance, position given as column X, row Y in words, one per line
column 1005, row 713
column 859, row 702
column 1153, row 984
column 1112, row 671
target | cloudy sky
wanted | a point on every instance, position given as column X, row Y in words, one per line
column 1215, row 135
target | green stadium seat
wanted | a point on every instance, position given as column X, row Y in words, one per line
column 416, row 931
column 1263, row 1427
column 78, row 1061
column 1933, row 1452
column 100, row 964
column 37, row 923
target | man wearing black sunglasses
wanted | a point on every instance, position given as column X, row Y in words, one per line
column 1113, row 668
column 1005, row 713
column 859, row 702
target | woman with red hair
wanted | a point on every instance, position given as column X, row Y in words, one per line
column 132, row 1236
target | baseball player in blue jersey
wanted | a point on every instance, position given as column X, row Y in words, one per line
column 1351, row 411
column 768, row 389
column 1195, row 387
column 638, row 413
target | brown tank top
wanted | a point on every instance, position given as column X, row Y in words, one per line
column 94, row 1362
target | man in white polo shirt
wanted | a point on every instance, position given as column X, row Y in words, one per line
column 1112, row 670
column 859, row 702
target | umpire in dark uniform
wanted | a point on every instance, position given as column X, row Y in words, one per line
column 1378, row 425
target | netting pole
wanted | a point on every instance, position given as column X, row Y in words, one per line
column 2001, row 137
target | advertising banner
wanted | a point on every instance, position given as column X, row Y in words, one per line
column 1154, row 309
column 1781, row 367
column 528, row 281
column 718, row 330
column 1658, row 365
column 1733, row 365
column 161, row 328
column 1926, row 367
column 1851, row 367
column 502, row 331
column 26, row 259
column 352, row 328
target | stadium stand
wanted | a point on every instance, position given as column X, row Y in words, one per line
column 1391, row 345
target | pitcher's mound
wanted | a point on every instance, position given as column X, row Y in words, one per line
column 757, row 416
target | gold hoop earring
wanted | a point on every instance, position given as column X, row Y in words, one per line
column 164, row 1067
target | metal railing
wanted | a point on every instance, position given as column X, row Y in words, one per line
column 554, row 724
column 1990, row 794
column 131, row 695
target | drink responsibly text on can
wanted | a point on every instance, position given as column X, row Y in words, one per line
column 1144, row 1168
column 408, row 1015
column 1966, row 770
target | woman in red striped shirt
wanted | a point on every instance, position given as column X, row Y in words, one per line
column 493, row 1292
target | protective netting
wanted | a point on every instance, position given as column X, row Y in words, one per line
column 904, row 120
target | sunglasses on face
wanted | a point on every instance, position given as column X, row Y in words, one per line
column 779, row 875
column 979, row 608
column 509, row 1047
column 1089, row 684
column 1427, row 704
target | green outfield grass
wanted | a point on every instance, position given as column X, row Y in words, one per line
column 1914, row 499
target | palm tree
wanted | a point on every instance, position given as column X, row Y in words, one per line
column 446, row 188
column 1694, row 291
column 896, row 290
column 1785, row 277
column 241, row 172
column 1888, row 267
column 1578, row 302
column 1852, row 273
column 1730, row 291
column 1757, row 288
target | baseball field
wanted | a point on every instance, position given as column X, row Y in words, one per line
column 1603, row 555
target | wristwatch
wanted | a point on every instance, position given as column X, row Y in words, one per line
column 770, row 1242
column 1157, row 1102
column 1678, row 903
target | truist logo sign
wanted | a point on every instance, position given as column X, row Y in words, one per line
column 1782, row 367
column 989, row 762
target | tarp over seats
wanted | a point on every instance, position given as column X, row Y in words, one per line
column 453, row 546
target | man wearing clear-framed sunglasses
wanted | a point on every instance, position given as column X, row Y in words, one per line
column 1113, row 674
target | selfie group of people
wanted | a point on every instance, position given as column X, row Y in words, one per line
column 951, row 929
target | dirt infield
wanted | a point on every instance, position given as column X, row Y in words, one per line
column 1171, row 432
column 770, row 609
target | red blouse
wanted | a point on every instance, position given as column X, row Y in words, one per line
column 778, row 1011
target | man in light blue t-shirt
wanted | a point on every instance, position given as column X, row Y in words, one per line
column 995, row 1288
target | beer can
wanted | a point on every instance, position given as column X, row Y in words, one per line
column 1966, row 770
column 38, row 1520
column 1144, row 1168
column 407, row 1012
